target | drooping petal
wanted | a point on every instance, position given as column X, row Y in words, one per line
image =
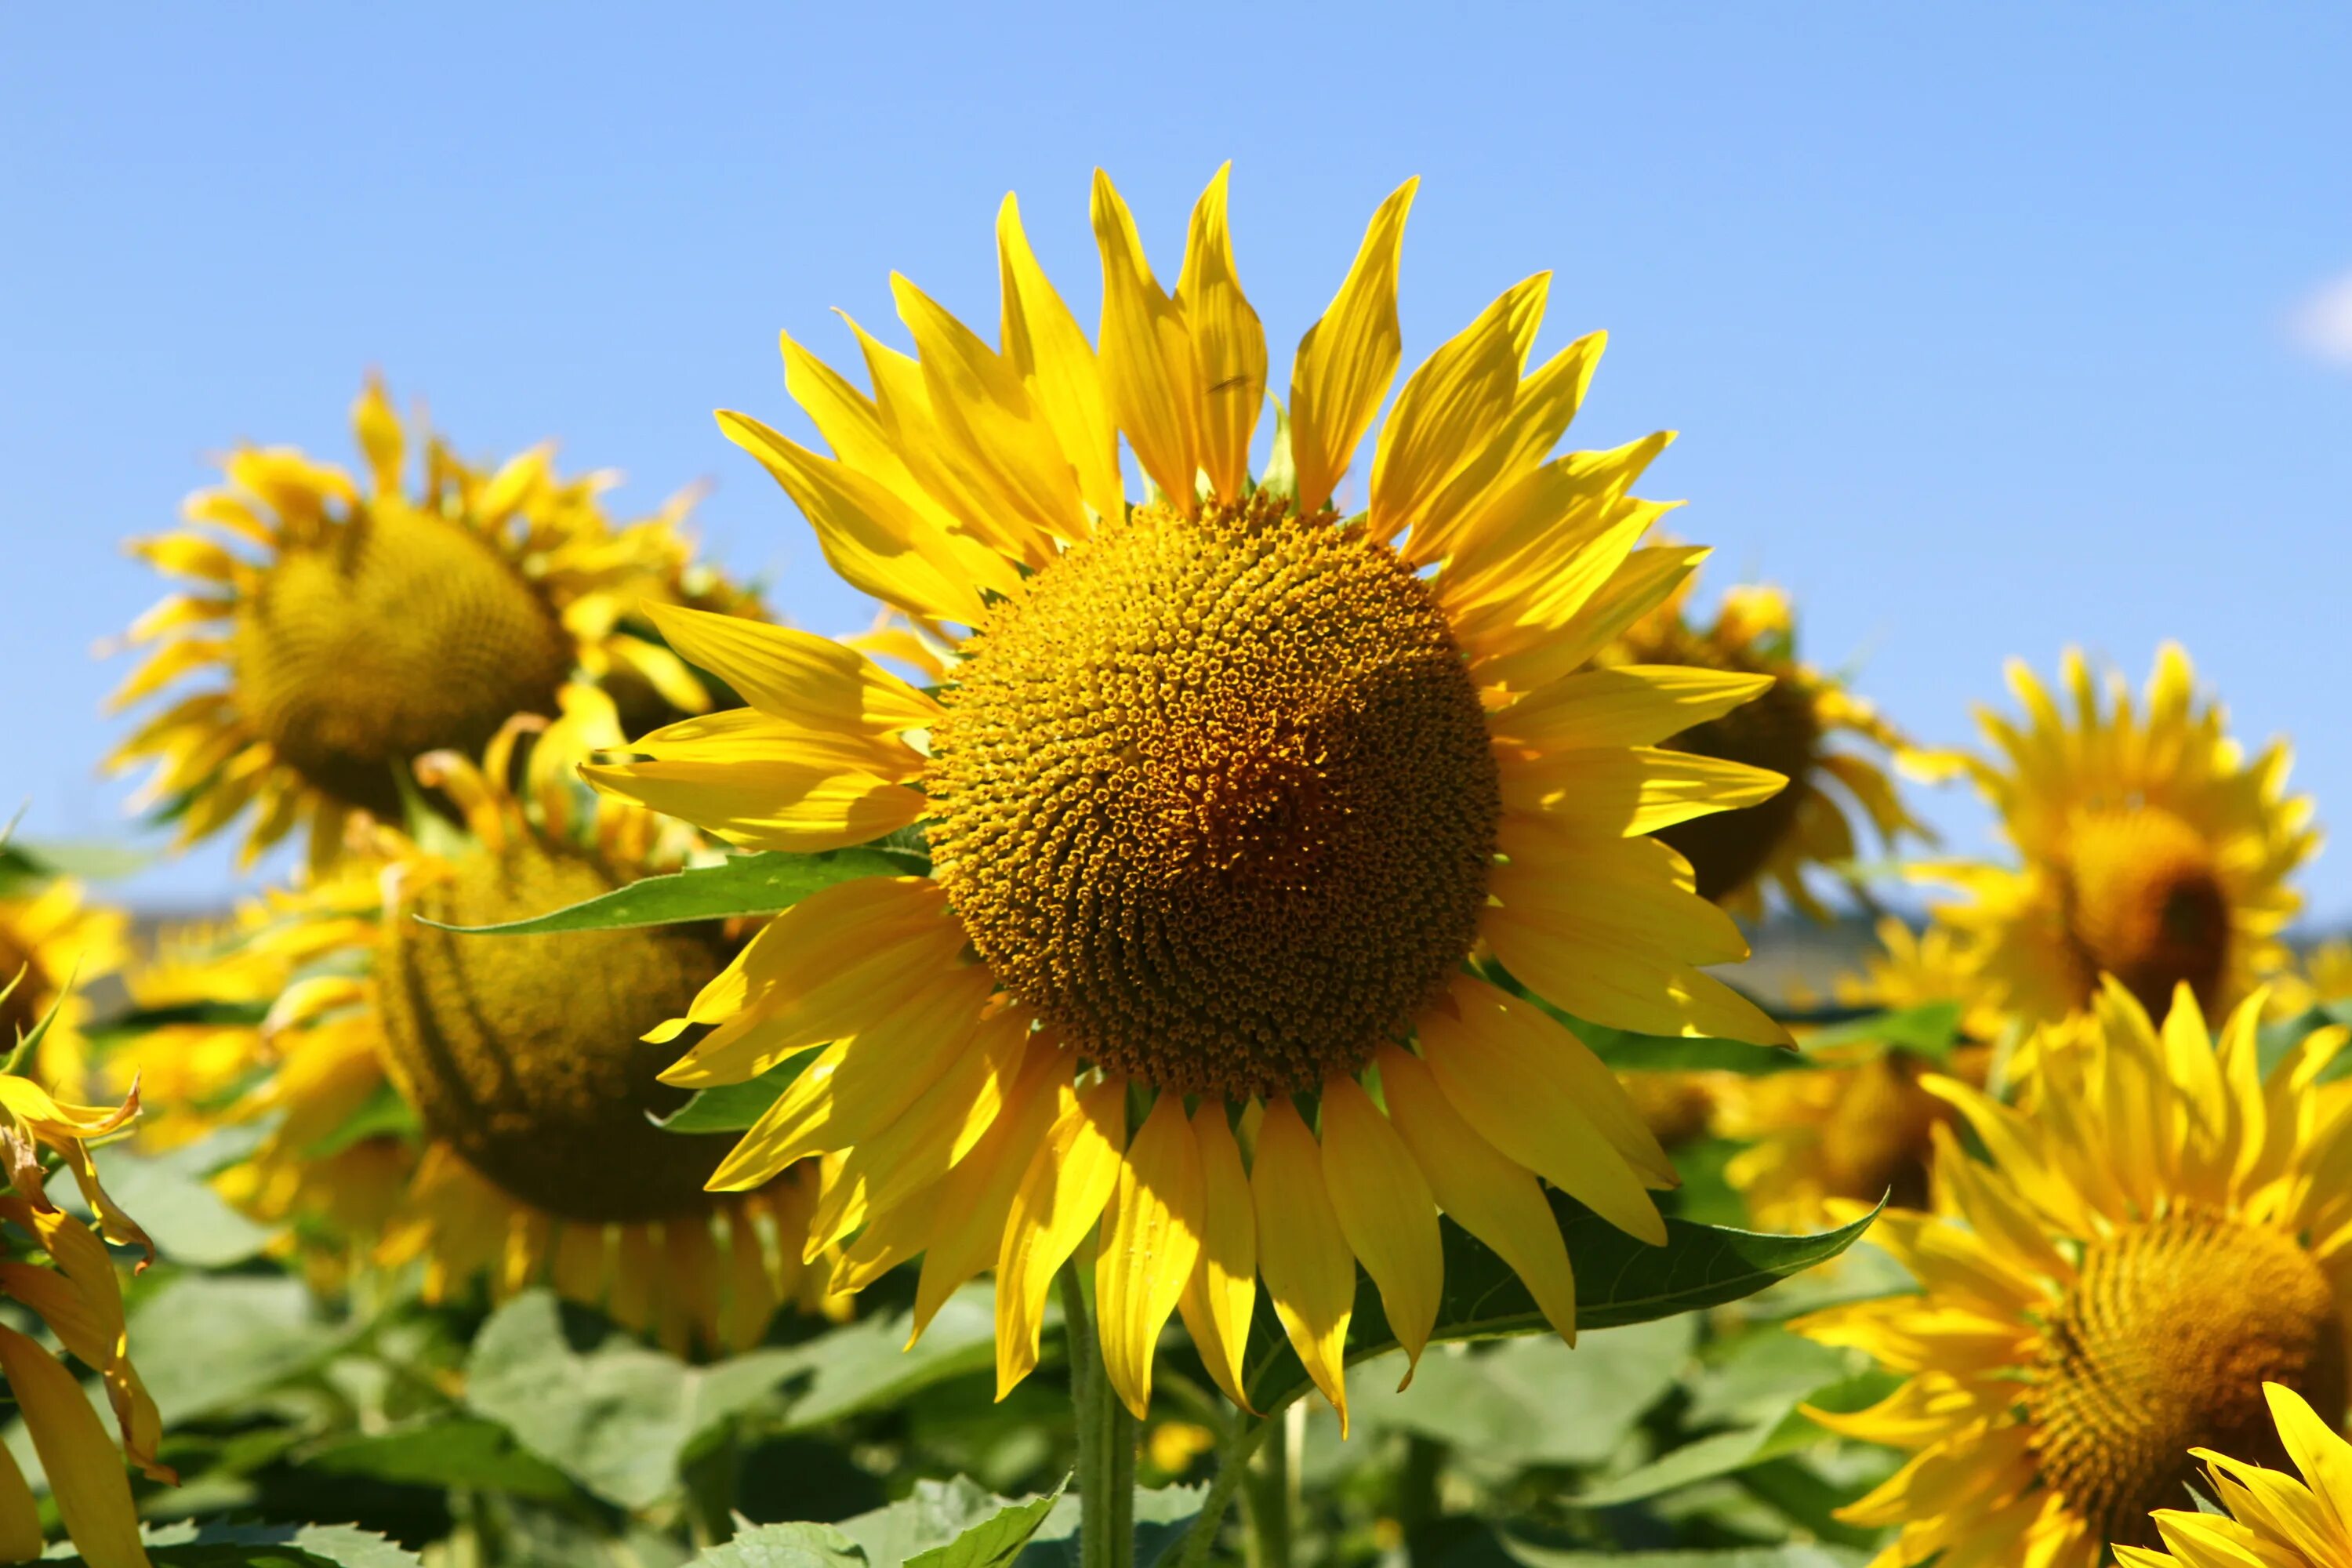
column 1385, row 1211
column 968, row 1236
column 1221, row 1295
column 85, row 1470
column 1061, row 1196
column 1151, row 1242
column 1309, row 1271
column 1346, row 359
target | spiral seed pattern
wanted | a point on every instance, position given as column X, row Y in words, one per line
column 1215, row 796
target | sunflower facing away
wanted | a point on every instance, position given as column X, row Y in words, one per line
column 2163, row 1232
column 361, row 626
column 53, row 943
column 519, row 1055
column 2151, row 848
column 66, row 1278
column 1791, row 729
column 1221, row 791
column 2268, row 1518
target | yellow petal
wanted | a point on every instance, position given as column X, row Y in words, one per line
column 1528, row 532
column 1061, row 1196
column 1385, row 1212
column 1150, row 1241
column 1452, row 407
column 1625, row 791
column 1622, row 981
column 1624, row 705
column 84, row 1468
column 1146, row 356
column 1045, row 346
column 1309, row 1272
column 1644, row 580
column 1347, row 360
column 1221, row 1295
column 1479, row 1050
column 1228, row 344
column 969, row 1233
column 1541, row 410
column 795, row 676
column 1491, row 1196
column 2318, row 1451
column 20, row 1515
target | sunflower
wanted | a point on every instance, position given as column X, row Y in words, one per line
column 2322, row 976
column 519, row 1057
column 64, row 1277
column 1793, row 729
column 360, row 628
column 2268, row 1518
column 1221, row 791
column 2151, row 849
column 2162, row 1232
column 54, row 942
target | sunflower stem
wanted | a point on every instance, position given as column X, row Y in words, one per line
column 1106, row 1441
column 1270, row 1499
column 1241, row 1438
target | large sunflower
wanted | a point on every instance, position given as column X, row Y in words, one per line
column 66, row 1279
column 1223, row 790
column 53, row 943
column 1795, row 727
column 2151, row 849
column 2163, row 1231
column 2267, row 1519
column 520, row 1057
column 360, row 626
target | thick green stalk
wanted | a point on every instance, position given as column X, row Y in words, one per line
column 1270, row 1499
column 1232, row 1471
column 1105, row 1442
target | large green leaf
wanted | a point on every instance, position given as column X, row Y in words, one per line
column 759, row 884
column 949, row 1524
column 206, row 1344
column 786, row 1546
column 1619, row 1280
column 1930, row 1030
column 188, row 1545
column 1163, row 1517
column 1784, row 1430
column 733, row 1106
column 445, row 1451
column 175, row 1203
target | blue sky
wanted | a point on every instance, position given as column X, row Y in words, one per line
column 1984, row 333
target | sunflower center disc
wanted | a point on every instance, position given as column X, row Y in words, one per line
column 1215, row 796
column 400, row 633
column 20, row 1012
column 2163, row 1345
column 1777, row 731
column 2143, row 903
column 522, row 1052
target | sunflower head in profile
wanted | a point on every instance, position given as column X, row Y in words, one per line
column 1807, row 724
column 53, row 943
column 2151, row 848
column 2267, row 1516
column 355, row 626
column 2163, row 1231
column 518, row 1059
column 66, row 1282
column 2320, row 978
column 1223, row 791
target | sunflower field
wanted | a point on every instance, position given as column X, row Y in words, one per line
column 1314, row 989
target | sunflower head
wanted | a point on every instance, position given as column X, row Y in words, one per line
column 1232, row 794
column 359, row 625
column 2151, row 848
column 1794, row 728
column 2153, row 1238
column 53, row 943
column 2266, row 1514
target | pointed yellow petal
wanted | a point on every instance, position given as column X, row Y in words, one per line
column 1644, row 580
column 1221, row 1295
column 84, row 1468
column 797, row 804
column 1061, row 1196
column 1228, row 344
column 1624, row 705
column 1047, row 349
column 795, row 676
column 1309, row 1271
column 1347, row 360
column 1146, row 356
column 20, row 1515
column 1541, row 410
column 1624, row 982
column 1625, row 791
column 1150, row 1241
column 1385, row 1212
column 970, row 1234
column 1611, row 890
column 1452, row 407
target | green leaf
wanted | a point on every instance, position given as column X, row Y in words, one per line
column 733, row 1106
column 1534, row 1399
column 386, row 1113
column 1785, row 1431
column 445, row 1451
column 1754, row 1375
column 1626, row 1052
column 188, row 1545
column 1619, row 1280
column 207, row 1343
column 786, row 1546
column 760, row 884
column 866, row 1365
column 950, row 1524
column 1794, row 1555
column 1163, row 1516
column 1930, row 1031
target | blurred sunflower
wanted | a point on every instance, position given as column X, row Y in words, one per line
column 2152, row 849
column 2268, row 1519
column 360, row 628
column 66, row 1279
column 1791, row 729
column 1221, row 791
column 2160, row 1234
column 2323, row 976
column 53, row 943
column 520, row 1057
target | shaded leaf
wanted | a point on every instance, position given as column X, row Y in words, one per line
column 760, row 884
column 1930, row 1031
column 1784, row 1431
column 615, row 1418
column 866, row 1365
column 176, row 1205
column 188, row 1545
column 1793, row 1555
column 206, row 1342
column 446, row 1451
column 949, row 1524
column 733, row 1106
column 1163, row 1515
column 786, row 1546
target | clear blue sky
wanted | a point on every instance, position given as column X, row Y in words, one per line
column 1985, row 333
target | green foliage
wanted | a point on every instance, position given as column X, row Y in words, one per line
column 271, row 1546
column 759, row 884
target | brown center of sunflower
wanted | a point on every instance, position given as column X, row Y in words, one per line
column 523, row 1053
column 401, row 633
column 2164, row 1344
column 1777, row 730
column 1215, row 796
column 20, row 1012
column 1878, row 1135
column 2144, row 902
